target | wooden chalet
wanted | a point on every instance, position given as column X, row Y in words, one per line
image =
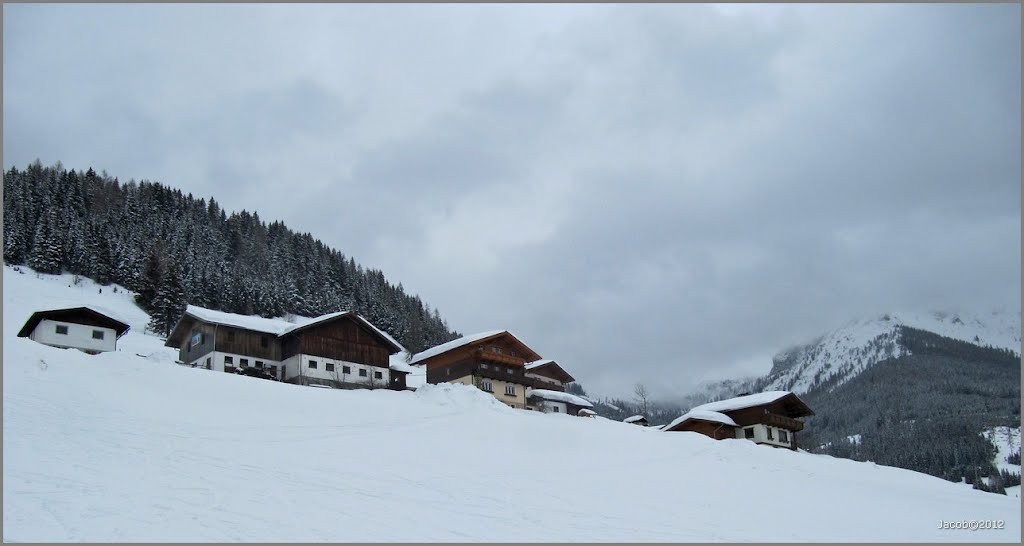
column 341, row 350
column 86, row 328
column 769, row 418
column 547, row 374
column 494, row 362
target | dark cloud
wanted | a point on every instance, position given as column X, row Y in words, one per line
column 656, row 193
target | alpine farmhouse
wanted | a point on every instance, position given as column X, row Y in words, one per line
column 340, row 350
column 499, row 363
column 768, row 418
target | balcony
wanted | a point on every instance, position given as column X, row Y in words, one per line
column 782, row 421
column 484, row 354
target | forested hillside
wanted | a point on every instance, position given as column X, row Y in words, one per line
column 924, row 410
column 175, row 249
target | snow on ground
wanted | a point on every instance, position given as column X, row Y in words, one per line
column 1006, row 441
column 117, row 447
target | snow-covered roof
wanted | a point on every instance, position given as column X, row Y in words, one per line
column 257, row 324
column 741, row 402
column 417, row 374
column 538, row 363
column 453, row 344
column 634, row 419
column 276, row 327
column 702, row 415
column 559, row 396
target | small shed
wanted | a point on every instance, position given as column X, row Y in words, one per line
column 584, row 412
column 87, row 328
column 636, row 420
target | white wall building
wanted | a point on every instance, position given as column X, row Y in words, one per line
column 86, row 328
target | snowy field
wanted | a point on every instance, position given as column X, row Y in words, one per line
column 121, row 447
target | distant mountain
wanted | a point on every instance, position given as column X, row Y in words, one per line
column 840, row 355
column 912, row 390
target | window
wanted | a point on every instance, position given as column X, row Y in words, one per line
column 231, row 335
column 748, row 433
column 244, row 362
column 346, row 369
column 510, row 390
column 197, row 338
column 264, row 342
column 229, row 360
column 259, row 363
column 554, row 409
column 496, row 350
column 329, row 366
column 486, row 386
column 770, row 437
column 362, row 373
column 509, row 370
column 378, row 375
column 61, row 329
column 483, row 366
column 97, row 334
column 312, row 364
column 783, row 436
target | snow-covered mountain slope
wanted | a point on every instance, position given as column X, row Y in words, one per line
column 118, row 447
column 842, row 354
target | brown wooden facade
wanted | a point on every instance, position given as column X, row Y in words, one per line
column 718, row 431
column 345, row 337
column 500, row 357
column 782, row 414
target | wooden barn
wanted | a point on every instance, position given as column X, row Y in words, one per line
column 769, row 418
column 341, row 350
column 87, row 328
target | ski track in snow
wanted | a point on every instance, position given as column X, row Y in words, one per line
column 116, row 447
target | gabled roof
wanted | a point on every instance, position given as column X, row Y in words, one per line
column 101, row 316
column 559, row 396
column 797, row 406
column 245, row 322
column 466, row 340
column 634, row 419
column 323, row 319
column 552, row 367
column 701, row 415
column 275, row 327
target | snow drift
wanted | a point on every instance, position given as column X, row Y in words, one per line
column 120, row 447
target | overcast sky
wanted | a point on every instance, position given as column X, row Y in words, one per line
column 662, row 193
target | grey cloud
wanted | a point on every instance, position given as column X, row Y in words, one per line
column 664, row 193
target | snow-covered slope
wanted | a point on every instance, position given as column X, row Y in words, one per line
column 118, row 447
column 844, row 353
column 1007, row 442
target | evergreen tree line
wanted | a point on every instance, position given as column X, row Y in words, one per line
column 174, row 249
column 923, row 411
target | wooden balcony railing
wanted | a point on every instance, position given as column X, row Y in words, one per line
column 485, row 354
column 782, row 421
